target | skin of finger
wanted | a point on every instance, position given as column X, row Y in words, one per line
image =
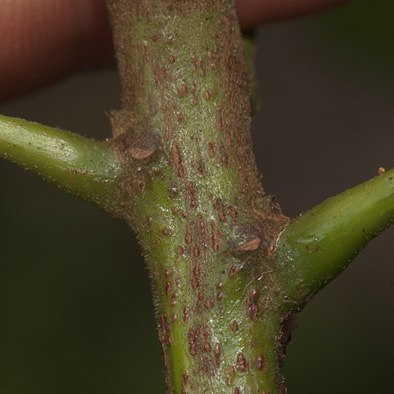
column 45, row 40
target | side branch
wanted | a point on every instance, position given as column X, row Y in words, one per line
column 82, row 167
column 321, row 243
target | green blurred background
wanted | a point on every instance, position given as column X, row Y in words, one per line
column 75, row 305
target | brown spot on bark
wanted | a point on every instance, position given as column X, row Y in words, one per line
column 220, row 209
column 233, row 214
column 232, row 270
column 207, row 347
column 191, row 336
column 179, row 250
column 215, row 242
column 219, row 296
column 192, row 196
column 164, row 325
column 249, row 246
column 185, row 376
column 253, row 309
column 185, row 379
column 172, row 59
column 219, row 285
column 164, row 355
column 181, row 118
column 149, row 220
column 211, row 148
column 217, row 353
column 196, row 277
column 231, row 370
column 200, row 168
column 199, row 303
column 234, row 326
column 196, row 251
column 174, row 317
column 254, row 294
column 237, row 391
column 232, row 211
column 201, row 222
column 220, row 121
column 186, row 314
column 208, row 303
column 193, row 349
column 241, row 362
column 283, row 388
column 176, row 158
column 183, row 213
column 188, row 238
column 207, row 95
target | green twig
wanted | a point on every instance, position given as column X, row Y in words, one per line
column 82, row 167
column 319, row 244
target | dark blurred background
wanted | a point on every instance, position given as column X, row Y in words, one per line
column 75, row 305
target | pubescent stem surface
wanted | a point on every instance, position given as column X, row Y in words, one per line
column 206, row 228
column 80, row 166
column 319, row 244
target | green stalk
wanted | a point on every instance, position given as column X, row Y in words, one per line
column 319, row 244
column 85, row 168
column 201, row 216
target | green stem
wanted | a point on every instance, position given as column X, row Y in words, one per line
column 320, row 244
column 82, row 167
column 200, row 213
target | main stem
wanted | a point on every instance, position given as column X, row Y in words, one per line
column 193, row 194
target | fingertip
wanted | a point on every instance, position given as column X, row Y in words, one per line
column 46, row 40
